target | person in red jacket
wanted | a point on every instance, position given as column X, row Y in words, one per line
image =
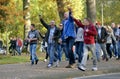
column 89, row 42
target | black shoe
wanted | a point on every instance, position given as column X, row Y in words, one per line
column 107, row 59
column 36, row 62
column 32, row 63
column 30, row 57
column 118, row 58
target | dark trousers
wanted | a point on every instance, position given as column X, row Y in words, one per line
column 79, row 50
column 109, row 50
column 69, row 43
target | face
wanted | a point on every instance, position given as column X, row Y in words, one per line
column 86, row 22
column 61, row 26
column 31, row 27
column 52, row 23
column 66, row 15
column 113, row 25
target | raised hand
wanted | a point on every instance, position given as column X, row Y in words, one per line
column 40, row 16
column 69, row 8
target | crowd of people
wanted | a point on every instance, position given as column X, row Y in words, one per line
column 76, row 39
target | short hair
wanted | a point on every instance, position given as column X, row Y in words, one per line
column 33, row 25
column 88, row 19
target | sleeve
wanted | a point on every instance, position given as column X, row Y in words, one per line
column 70, row 17
column 113, row 37
column 44, row 23
column 28, row 34
column 37, row 35
column 79, row 23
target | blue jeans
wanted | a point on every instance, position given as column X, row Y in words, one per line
column 69, row 43
column 33, row 52
column 51, row 52
column 59, row 51
column 118, row 44
column 79, row 50
column 64, row 48
column 115, row 49
column 18, row 50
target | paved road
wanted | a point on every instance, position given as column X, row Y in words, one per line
column 26, row 71
column 104, row 76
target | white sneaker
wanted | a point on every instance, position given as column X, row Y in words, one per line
column 49, row 65
column 45, row 60
column 94, row 69
column 81, row 68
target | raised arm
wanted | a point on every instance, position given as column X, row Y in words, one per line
column 78, row 23
column 70, row 15
column 44, row 23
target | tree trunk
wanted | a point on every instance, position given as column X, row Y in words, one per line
column 61, row 10
column 26, row 16
column 91, row 10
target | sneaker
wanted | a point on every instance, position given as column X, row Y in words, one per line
column 36, row 62
column 94, row 69
column 32, row 63
column 57, row 63
column 45, row 60
column 81, row 68
column 49, row 65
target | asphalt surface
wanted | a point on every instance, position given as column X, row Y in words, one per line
column 40, row 71
column 103, row 76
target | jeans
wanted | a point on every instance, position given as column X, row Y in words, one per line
column 118, row 44
column 59, row 51
column 33, row 53
column 115, row 49
column 64, row 48
column 103, row 47
column 109, row 49
column 98, row 51
column 90, row 47
column 18, row 50
column 51, row 52
column 69, row 44
column 79, row 50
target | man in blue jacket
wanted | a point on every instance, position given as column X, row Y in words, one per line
column 69, row 36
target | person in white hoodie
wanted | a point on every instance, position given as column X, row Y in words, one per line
column 79, row 42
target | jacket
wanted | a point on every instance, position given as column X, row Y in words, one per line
column 56, row 35
column 68, row 27
column 110, row 38
column 89, row 36
column 104, row 36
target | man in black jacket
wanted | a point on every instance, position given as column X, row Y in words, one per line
column 101, row 40
column 52, row 37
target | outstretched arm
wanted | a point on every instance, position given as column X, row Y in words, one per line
column 44, row 23
column 78, row 23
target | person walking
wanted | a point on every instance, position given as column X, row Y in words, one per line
column 33, row 37
column 52, row 37
column 101, row 40
column 79, row 43
column 109, row 40
column 89, row 43
column 69, row 36
column 19, row 45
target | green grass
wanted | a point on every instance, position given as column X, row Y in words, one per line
column 13, row 59
column 7, row 59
